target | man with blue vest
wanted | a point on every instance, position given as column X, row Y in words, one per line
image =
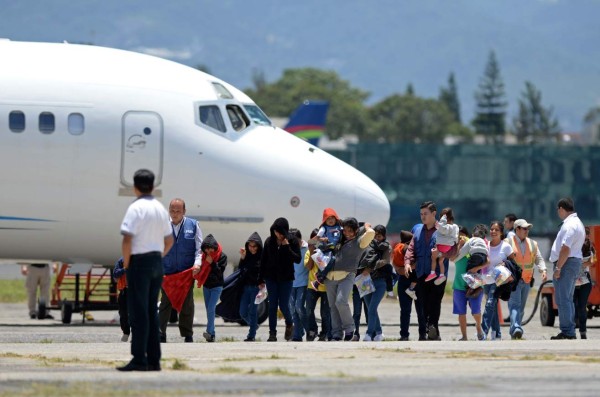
column 184, row 254
column 419, row 252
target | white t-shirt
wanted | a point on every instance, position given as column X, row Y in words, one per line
column 148, row 222
column 571, row 234
column 498, row 254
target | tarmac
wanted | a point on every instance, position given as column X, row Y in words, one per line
column 46, row 357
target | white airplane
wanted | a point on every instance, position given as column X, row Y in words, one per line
column 77, row 121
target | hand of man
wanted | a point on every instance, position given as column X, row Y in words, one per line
column 544, row 276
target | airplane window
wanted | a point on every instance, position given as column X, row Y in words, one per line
column 16, row 121
column 46, row 122
column 257, row 115
column 76, row 124
column 211, row 116
column 222, row 92
column 238, row 119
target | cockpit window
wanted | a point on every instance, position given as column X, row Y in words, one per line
column 238, row 119
column 211, row 116
column 222, row 92
column 257, row 115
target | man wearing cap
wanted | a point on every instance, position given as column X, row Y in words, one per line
column 527, row 254
column 567, row 259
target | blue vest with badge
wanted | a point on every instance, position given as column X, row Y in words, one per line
column 422, row 251
column 183, row 253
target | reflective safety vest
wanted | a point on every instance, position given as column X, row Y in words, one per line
column 524, row 259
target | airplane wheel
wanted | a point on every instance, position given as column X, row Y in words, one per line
column 66, row 311
column 42, row 310
column 546, row 311
column 262, row 311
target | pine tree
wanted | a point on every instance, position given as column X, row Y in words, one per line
column 449, row 96
column 534, row 123
column 491, row 105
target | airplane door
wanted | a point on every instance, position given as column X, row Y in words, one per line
column 142, row 145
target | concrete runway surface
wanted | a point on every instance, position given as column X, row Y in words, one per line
column 45, row 357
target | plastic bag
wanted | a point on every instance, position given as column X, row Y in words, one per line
column 501, row 275
column 364, row 284
column 321, row 259
column 473, row 280
column 261, row 296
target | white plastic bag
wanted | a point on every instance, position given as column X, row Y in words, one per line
column 321, row 259
column 473, row 280
column 261, row 296
column 364, row 284
column 501, row 274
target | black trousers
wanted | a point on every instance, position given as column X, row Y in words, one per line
column 144, row 279
column 124, row 312
column 431, row 297
column 186, row 316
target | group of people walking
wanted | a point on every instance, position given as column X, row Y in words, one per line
column 297, row 273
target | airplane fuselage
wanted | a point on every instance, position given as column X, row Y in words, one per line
column 92, row 116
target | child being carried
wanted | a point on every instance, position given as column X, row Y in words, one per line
column 327, row 240
column 446, row 245
column 477, row 247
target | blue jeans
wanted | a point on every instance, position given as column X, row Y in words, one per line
column 297, row 302
column 248, row 309
column 516, row 305
column 373, row 300
column 310, row 320
column 211, row 298
column 144, row 279
column 357, row 305
column 279, row 297
column 489, row 320
column 564, row 287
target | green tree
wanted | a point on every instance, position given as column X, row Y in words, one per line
column 407, row 118
column 347, row 112
column 534, row 123
column 449, row 96
column 491, row 105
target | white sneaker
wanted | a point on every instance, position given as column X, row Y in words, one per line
column 411, row 293
column 378, row 338
column 367, row 338
column 439, row 280
column 124, row 338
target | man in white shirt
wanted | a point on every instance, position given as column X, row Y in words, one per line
column 147, row 238
column 567, row 259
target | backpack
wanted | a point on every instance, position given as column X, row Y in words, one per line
column 398, row 254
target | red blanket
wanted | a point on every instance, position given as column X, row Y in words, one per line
column 206, row 267
column 177, row 286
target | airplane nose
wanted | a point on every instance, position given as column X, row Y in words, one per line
column 370, row 203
